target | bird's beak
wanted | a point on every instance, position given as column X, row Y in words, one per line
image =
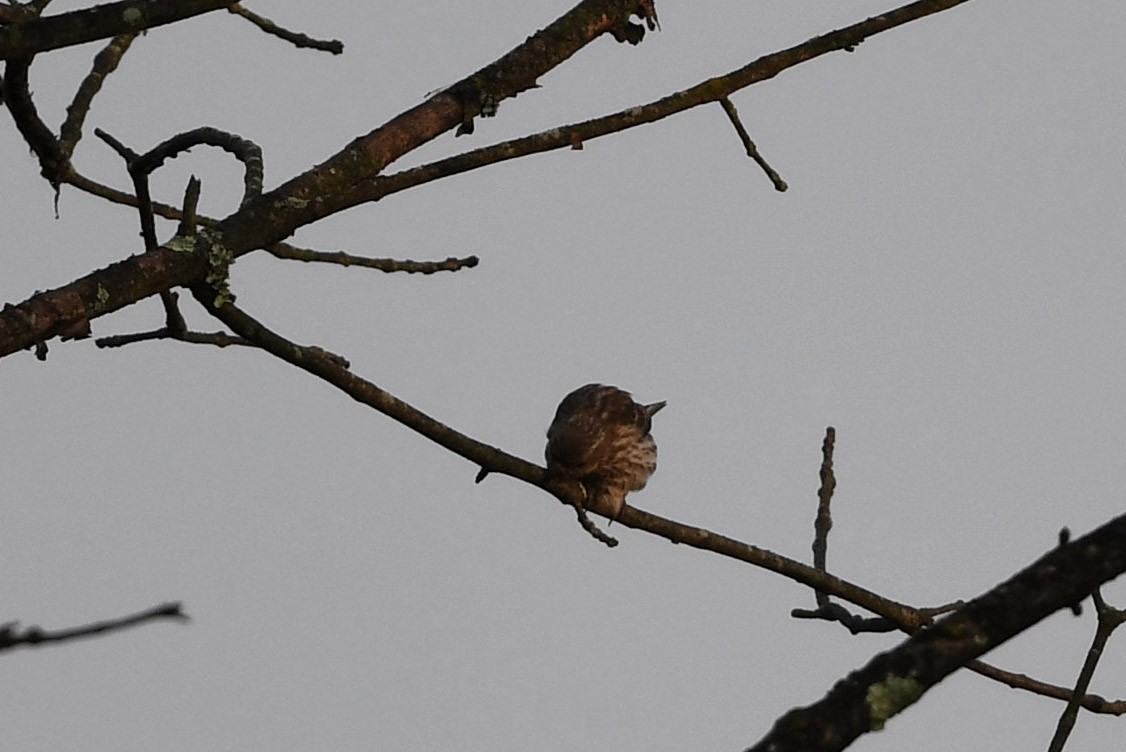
column 651, row 410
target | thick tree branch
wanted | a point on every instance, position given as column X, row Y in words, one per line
column 706, row 92
column 17, row 99
column 1108, row 620
column 856, row 624
column 896, row 679
column 100, row 22
column 347, row 178
column 272, row 217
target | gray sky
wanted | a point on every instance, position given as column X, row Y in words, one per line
column 942, row 283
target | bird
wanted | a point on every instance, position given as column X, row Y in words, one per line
column 600, row 438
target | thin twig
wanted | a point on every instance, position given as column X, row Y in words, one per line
column 490, row 459
column 1093, row 703
column 896, row 679
column 11, row 636
column 244, row 150
column 334, row 369
column 188, row 215
column 218, row 339
column 335, row 46
column 349, row 177
column 595, row 532
column 139, row 172
column 451, row 264
column 1109, row 619
column 823, row 522
column 749, row 145
column 105, row 63
column 705, row 92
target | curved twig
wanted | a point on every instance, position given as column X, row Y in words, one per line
column 11, row 636
column 297, row 39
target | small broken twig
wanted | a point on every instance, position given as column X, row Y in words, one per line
column 752, row 150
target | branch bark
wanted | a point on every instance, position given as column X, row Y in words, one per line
column 25, row 39
column 893, row 681
column 349, row 177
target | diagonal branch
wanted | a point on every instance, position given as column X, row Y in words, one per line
column 334, row 370
column 894, row 680
column 274, row 216
column 11, row 637
column 1109, row 619
column 99, row 22
column 750, row 147
column 349, row 177
column 706, row 92
column 105, row 63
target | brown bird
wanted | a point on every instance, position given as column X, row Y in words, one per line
column 600, row 437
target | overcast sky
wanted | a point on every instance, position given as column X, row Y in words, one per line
column 942, row 283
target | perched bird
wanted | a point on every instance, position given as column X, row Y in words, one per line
column 600, row 437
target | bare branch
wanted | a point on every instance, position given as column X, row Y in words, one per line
column 856, row 624
column 17, row 98
column 1109, row 619
column 188, row 215
column 749, row 145
column 587, row 524
column 99, row 22
column 493, row 460
column 1093, row 703
column 451, row 264
column 244, row 150
column 348, row 178
column 334, row 369
column 11, row 636
column 335, row 46
column 706, row 92
column 105, row 63
column 140, row 166
column 823, row 522
column 218, row 339
column 896, row 679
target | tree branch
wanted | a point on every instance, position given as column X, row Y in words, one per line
column 706, row 92
column 105, row 63
column 1109, row 619
column 99, row 22
column 297, row 39
column 348, row 178
column 10, row 637
column 272, row 217
column 451, row 264
column 896, row 679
